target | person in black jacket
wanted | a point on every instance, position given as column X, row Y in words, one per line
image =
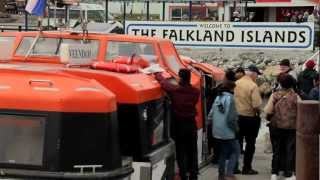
column 315, row 92
column 305, row 79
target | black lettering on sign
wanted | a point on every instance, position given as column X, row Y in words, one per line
column 80, row 53
column 249, row 34
column 135, row 31
column 267, row 35
column 257, row 37
column 280, row 37
column 189, row 35
column 242, row 36
column 73, row 53
column 173, row 35
column 164, row 33
column 207, row 36
column 70, row 52
column 230, row 36
column 302, row 36
column 181, row 36
column 292, row 36
column 153, row 32
column 198, row 36
column 218, row 35
column 144, row 32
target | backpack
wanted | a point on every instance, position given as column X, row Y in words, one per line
column 285, row 110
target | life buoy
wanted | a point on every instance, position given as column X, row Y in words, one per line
column 115, row 67
column 133, row 60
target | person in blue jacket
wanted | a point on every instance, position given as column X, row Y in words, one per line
column 224, row 119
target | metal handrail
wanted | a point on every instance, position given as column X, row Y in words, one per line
column 7, row 27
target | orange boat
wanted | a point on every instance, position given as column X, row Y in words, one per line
column 73, row 105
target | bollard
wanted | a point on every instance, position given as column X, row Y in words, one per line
column 307, row 147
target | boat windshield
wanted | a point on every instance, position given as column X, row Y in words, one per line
column 6, row 43
column 45, row 46
column 129, row 49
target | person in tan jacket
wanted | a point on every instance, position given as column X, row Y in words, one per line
column 248, row 101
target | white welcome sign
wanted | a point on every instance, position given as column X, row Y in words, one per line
column 228, row 34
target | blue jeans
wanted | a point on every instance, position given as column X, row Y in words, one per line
column 230, row 150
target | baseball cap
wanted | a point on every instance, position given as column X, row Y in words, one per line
column 285, row 62
column 254, row 68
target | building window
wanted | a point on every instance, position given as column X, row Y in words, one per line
column 179, row 13
column 213, row 14
column 199, row 12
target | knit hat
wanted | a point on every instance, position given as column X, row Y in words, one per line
column 310, row 64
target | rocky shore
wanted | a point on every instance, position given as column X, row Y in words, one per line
column 231, row 58
column 266, row 60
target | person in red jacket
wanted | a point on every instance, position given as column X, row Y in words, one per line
column 184, row 98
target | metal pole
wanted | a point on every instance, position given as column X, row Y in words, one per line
column 190, row 10
column 107, row 11
column 124, row 13
column 307, row 139
column 224, row 11
column 48, row 6
column 163, row 10
column 55, row 14
column 66, row 15
column 26, row 18
column 148, row 10
column 246, row 10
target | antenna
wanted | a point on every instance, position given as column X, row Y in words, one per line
column 55, row 13
column 84, row 26
column 40, row 27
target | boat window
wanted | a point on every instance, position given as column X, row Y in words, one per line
column 74, row 14
column 51, row 46
column 6, row 43
column 96, row 15
column 43, row 46
column 24, row 46
column 145, row 50
column 58, row 13
column 171, row 57
column 22, row 139
column 172, row 62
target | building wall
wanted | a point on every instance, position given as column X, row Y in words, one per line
column 2, row 6
column 289, row 4
column 272, row 14
column 134, row 8
column 155, row 8
column 224, row 12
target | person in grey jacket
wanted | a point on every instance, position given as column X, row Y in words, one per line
column 224, row 118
